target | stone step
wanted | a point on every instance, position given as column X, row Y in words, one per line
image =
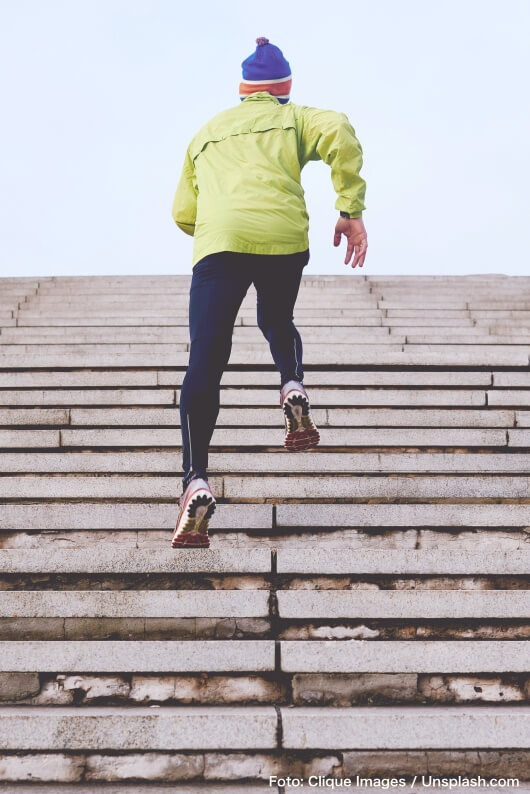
column 518, row 438
column 459, row 340
column 236, row 728
column 182, row 656
column 168, row 304
column 29, row 438
column 257, row 418
column 366, row 656
column 312, row 338
column 511, row 379
column 510, row 330
column 88, row 397
column 135, row 603
column 272, row 487
column 473, row 347
column 138, row 728
column 193, row 656
column 401, row 604
column 442, row 321
column 509, row 397
column 178, row 320
column 61, row 380
column 463, row 539
column 372, row 515
column 67, row 461
column 396, row 326
column 242, row 336
column 136, row 516
column 494, row 314
column 107, row 558
column 179, row 314
column 335, row 437
column 411, row 727
column 496, row 560
column 446, row 301
column 91, row 379
column 152, row 437
column 432, row 312
column 350, row 487
column 350, row 397
column 243, row 396
column 243, row 518
column 450, row 356
column 34, row 416
column 272, row 417
column 167, row 350
column 30, row 319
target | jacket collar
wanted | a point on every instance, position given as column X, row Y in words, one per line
column 261, row 96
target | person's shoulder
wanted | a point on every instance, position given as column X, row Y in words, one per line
column 221, row 118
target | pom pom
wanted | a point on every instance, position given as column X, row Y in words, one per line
column 261, row 41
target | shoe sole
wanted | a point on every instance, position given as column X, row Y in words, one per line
column 191, row 530
column 300, row 430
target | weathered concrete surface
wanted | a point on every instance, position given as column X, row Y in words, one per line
column 90, row 516
column 143, row 461
column 123, row 656
column 408, row 727
column 403, row 604
column 362, row 656
column 444, row 515
column 421, row 378
column 249, row 487
column 107, row 558
column 270, row 437
column 132, row 603
column 407, row 561
column 18, row 685
column 170, row 728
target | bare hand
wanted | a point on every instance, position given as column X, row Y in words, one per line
column 355, row 233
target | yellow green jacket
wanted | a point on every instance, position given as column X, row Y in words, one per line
column 240, row 185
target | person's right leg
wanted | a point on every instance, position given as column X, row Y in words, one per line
column 219, row 284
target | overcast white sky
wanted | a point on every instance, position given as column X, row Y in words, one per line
column 99, row 99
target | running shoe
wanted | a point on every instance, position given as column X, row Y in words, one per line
column 197, row 506
column 300, row 430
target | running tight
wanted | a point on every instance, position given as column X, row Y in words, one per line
column 218, row 285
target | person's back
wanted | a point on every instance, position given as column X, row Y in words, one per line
column 240, row 188
column 240, row 197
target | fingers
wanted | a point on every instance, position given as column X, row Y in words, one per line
column 360, row 253
column 355, row 247
column 349, row 251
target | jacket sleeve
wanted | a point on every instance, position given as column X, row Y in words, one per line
column 327, row 135
column 184, row 210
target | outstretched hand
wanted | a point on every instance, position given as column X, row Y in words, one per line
column 355, row 233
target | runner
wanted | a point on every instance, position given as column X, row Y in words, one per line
column 240, row 197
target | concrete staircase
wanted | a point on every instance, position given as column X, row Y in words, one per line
column 364, row 607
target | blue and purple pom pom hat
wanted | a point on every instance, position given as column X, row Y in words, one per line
column 266, row 70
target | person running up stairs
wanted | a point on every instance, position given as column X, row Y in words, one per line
column 240, row 197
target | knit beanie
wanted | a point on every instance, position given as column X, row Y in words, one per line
column 266, row 70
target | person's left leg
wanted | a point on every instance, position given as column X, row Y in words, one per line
column 219, row 283
column 277, row 281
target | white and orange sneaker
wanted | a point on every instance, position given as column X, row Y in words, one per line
column 300, row 430
column 197, row 505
